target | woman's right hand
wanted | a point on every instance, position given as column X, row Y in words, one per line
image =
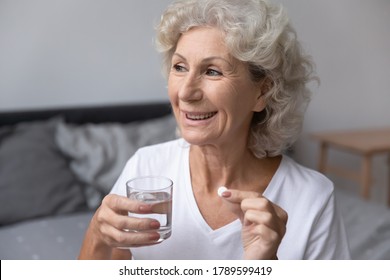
column 111, row 227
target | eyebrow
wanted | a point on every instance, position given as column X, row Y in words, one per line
column 206, row 59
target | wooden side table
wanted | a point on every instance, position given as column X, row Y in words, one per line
column 365, row 143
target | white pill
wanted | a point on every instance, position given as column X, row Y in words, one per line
column 221, row 189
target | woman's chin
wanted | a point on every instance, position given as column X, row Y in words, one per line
column 195, row 139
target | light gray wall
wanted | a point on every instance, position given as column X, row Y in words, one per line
column 350, row 43
column 77, row 52
column 81, row 52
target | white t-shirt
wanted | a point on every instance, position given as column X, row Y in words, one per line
column 314, row 228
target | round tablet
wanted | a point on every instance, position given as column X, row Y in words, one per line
column 221, row 189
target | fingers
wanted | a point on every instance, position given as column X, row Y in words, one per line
column 122, row 222
column 116, row 228
column 265, row 215
column 267, row 235
column 262, row 204
column 123, row 238
column 122, row 204
column 253, row 200
column 233, row 199
column 258, row 213
column 264, row 224
column 261, row 219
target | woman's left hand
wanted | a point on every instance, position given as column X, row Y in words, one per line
column 263, row 223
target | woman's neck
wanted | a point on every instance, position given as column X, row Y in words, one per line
column 234, row 167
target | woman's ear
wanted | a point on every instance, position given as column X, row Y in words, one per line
column 265, row 86
column 260, row 103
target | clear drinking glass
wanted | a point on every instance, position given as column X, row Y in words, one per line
column 157, row 191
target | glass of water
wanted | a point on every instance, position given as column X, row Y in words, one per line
column 157, row 191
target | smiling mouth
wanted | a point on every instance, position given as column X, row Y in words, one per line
column 200, row 116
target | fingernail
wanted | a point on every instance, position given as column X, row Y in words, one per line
column 226, row 194
column 153, row 236
column 154, row 225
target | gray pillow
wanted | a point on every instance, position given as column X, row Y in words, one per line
column 35, row 179
column 99, row 152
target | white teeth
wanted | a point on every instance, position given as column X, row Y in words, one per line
column 200, row 116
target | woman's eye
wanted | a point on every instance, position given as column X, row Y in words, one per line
column 178, row 68
column 212, row 72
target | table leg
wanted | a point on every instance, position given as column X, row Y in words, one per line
column 388, row 179
column 366, row 177
column 323, row 157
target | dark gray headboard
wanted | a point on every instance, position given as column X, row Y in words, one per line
column 123, row 113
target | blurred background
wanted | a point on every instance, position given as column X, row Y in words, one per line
column 81, row 53
column 74, row 53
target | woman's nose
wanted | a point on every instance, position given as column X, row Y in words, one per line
column 190, row 89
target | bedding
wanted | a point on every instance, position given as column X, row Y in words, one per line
column 367, row 225
column 57, row 164
column 29, row 158
column 98, row 152
column 46, row 238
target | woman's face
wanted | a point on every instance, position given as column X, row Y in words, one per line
column 212, row 94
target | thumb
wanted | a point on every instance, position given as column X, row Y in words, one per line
column 233, row 198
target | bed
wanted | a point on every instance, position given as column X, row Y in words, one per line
column 57, row 164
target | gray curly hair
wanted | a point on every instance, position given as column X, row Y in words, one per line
column 258, row 33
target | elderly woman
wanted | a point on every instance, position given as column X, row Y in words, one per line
column 237, row 84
